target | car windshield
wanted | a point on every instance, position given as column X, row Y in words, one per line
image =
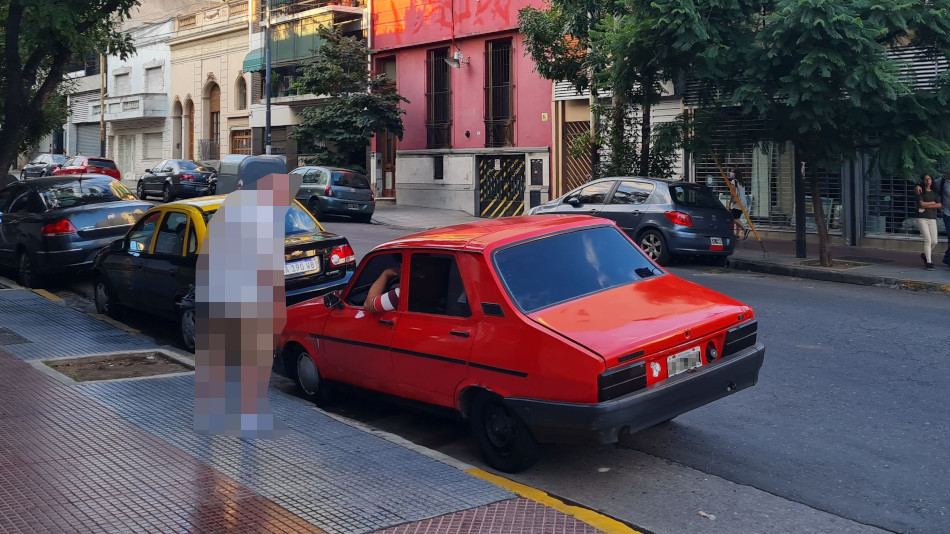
column 83, row 192
column 563, row 267
column 694, row 196
column 58, row 159
column 297, row 221
column 349, row 179
column 101, row 163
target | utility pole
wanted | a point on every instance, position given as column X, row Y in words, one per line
column 102, row 105
column 267, row 79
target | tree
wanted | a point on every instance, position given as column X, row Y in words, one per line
column 40, row 39
column 630, row 48
column 818, row 74
column 358, row 104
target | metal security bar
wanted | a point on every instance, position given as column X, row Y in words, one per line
column 499, row 95
column 438, row 99
column 890, row 206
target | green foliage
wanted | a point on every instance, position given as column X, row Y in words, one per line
column 40, row 38
column 358, row 104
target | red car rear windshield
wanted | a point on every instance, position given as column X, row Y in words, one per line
column 563, row 267
column 101, row 163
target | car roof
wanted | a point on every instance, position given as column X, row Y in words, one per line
column 208, row 203
column 64, row 178
column 489, row 234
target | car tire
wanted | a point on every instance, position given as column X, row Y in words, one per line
column 167, row 195
column 26, row 271
column 654, row 246
column 105, row 300
column 307, row 375
column 314, row 207
column 502, row 437
column 140, row 191
column 186, row 325
column 364, row 218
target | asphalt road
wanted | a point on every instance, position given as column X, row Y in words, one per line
column 846, row 431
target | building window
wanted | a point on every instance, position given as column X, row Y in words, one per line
column 438, row 168
column 438, row 100
column 153, row 146
column 155, row 80
column 123, row 84
column 499, row 97
column 240, row 93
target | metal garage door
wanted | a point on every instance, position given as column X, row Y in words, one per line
column 87, row 139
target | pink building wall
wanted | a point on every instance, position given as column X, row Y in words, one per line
column 399, row 23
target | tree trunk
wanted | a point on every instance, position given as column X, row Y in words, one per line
column 645, row 139
column 824, row 250
column 8, row 148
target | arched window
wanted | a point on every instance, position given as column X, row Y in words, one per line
column 240, row 93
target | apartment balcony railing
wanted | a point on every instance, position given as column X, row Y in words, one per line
column 287, row 8
column 209, row 149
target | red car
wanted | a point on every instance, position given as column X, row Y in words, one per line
column 87, row 165
column 537, row 329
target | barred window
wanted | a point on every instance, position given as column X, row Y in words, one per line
column 438, row 99
column 499, row 96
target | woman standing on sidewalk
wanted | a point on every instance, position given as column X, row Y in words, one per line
column 735, row 204
column 928, row 204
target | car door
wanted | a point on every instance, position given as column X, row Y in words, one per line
column 308, row 185
column 167, row 273
column 15, row 210
column 356, row 343
column 591, row 199
column 148, row 179
column 627, row 204
column 128, row 269
column 6, row 249
column 433, row 339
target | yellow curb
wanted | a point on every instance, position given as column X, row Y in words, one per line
column 113, row 322
column 592, row 518
column 47, row 294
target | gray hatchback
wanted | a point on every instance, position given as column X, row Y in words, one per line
column 328, row 190
column 665, row 218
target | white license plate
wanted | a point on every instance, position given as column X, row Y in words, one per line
column 302, row 266
column 715, row 241
column 684, row 361
column 353, row 207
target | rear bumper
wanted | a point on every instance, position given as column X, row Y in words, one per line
column 682, row 242
column 343, row 207
column 564, row 422
column 192, row 189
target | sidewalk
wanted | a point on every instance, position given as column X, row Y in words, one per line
column 854, row 265
column 121, row 456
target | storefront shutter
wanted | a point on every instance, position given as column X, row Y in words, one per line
column 87, row 139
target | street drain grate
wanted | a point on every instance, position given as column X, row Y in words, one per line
column 9, row 337
column 120, row 365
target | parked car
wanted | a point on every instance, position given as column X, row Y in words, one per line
column 87, row 165
column 332, row 191
column 152, row 268
column 536, row 329
column 666, row 218
column 177, row 178
column 57, row 224
column 42, row 165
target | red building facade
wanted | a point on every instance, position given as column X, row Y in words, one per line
column 477, row 128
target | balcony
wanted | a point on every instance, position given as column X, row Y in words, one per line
column 293, row 8
column 209, row 149
column 133, row 107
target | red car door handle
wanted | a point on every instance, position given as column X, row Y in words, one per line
column 387, row 322
column 457, row 333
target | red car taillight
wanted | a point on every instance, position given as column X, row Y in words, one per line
column 187, row 177
column 680, row 218
column 342, row 255
column 60, row 227
column 328, row 192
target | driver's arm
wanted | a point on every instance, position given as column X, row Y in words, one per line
column 378, row 288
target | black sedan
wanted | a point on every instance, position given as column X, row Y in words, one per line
column 152, row 269
column 666, row 218
column 177, row 178
column 58, row 224
column 42, row 165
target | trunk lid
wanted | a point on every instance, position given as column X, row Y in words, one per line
column 351, row 193
column 651, row 315
column 713, row 221
column 95, row 221
column 317, row 246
